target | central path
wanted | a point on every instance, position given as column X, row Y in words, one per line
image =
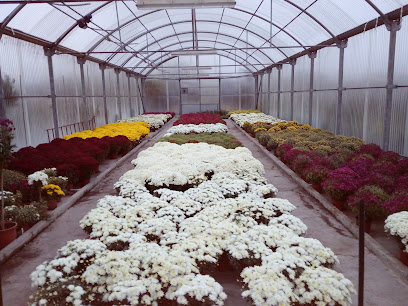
column 382, row 287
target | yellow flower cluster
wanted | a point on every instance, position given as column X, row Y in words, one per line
column 243, row 111
column 132, row 130
column 53, row 190
column 291, row 126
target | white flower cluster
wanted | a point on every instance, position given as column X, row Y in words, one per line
column 38, row 176
column 397, row 225
column 197, row 128
column 240, row 119
column 155, row 244
column 167, row 164
column 154, row 120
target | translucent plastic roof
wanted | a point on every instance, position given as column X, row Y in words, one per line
column 254, row 34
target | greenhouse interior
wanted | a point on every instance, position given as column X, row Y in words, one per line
column 207, row 152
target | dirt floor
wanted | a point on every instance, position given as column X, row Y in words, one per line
column 382, row 286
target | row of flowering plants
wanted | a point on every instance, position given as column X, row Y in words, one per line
column 344, row 168
column 155, row 120
column 178, row 214
column 242, row 111
column 200, row 118
column 134, row 131
column 196, row 129
column 241, row 118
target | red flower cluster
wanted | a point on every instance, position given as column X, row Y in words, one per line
column 199, row 118
column 75, row 158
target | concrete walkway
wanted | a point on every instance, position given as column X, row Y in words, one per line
column 382, row 287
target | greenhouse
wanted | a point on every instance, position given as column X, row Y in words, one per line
column 208, row 152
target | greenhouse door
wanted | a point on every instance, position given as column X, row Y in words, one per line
column 199, row 95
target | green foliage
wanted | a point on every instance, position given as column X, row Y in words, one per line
column 221, row 139
column 11, row 176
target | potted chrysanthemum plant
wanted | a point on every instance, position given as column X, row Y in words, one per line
column 7, row 229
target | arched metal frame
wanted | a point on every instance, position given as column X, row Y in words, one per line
column 155, row 67
column 253, row 14
column 179, row 42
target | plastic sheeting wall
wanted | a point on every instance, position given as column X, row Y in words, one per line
column 26, row 66
column 363, row 107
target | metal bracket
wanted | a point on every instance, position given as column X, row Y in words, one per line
column 49, row 51
column 102, row 66
column 81, row 60
column 269, row 70
column 292, row 61
column 391, row 86
column 312, row 54
column 279, row 66
column 393, row 26
column 342, row 44
column 117, row 70
column 129, row 74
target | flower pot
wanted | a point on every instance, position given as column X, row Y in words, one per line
column 404, row 257
column 339, row 204
column 367, row 225
column 317, row 187
column 52, row 204
column 8, row 234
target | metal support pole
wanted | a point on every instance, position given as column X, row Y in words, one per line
column 143, row 85
column 84, row 112
column 138, row 95
column 167, row 96
column 219, row 94
column 312, row 56
column 49, row 53
column 119, row 106
column 292, row 62
column 279, row 67
column 256, row 90
column 341, row 45
column 105, row 104
column 128, row 75
column 361, row 254
column 269, row 91
column 393, row 27
column 2, row 100
column 240, row 94
column 181, row 104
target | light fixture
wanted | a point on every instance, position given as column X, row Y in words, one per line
column 193, row 52
column 173, row 4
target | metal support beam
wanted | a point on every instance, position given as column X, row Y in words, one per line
column 49, row 53
column 393, row 28
column 312, row 56
column 143, row 95
column 84, row 112
column 256, row 90
column 292, row 62
column 167, row 96
column 342, row 45
column 219, row 94
column 105, row 104
column 240, row 94
column 181, row 104
column 279, row 67
column 2, row 100
column 132, row 113
column 269, row 91
column 138, row 96
column 119, row 106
